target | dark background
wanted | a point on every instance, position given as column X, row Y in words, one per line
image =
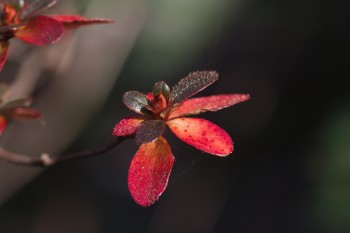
column 290, row 171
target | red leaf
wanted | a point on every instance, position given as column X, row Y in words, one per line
column 149, row 171
column 211, row 103
column 4, row 45
column 127, row 126
column 24, row 113
column 159, row 103
column 3, row 124
column 74, row 21
column 203, row 135
column 40, row 30
column 150, row 97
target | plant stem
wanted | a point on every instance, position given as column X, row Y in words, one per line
column 46, row 160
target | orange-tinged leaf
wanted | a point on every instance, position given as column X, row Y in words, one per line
column 202, row 134
column 211, row 103
column 4, row 45
column 127, row 126
column 9, row 14
column 74, row 21
column 159, row 103
column 149, row 171
column 3, row 124
column 40, row 30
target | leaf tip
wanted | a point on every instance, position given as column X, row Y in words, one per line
column 246, row 97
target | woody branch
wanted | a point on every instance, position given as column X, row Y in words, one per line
column 46, row 160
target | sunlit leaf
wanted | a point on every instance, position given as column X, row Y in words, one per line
column 127, row 126
column 40, row 30
column 136, row 101
column 149, row 171
column 74, row 21
column 191, row 85
column 211, row 103
column 203, row 135
column 150, row 130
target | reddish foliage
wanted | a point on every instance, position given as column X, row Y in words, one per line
column 40, row 30
column 149, row 171
column 74, row 21
column 15, row 109
column 203, row 135
column 127, row 126
column 151, row 166
column 23, row 113
column 21, row 21
column 3, row 124
column 210, row 103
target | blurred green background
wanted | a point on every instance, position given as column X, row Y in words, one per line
column 290, row 171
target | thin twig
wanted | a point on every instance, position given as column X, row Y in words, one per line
column 46, row 160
